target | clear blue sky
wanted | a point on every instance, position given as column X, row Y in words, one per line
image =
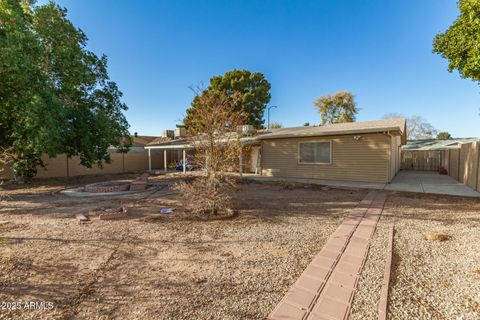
column 379, row 50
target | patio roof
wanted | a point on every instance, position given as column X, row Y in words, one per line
column 184, row 143
column 435, row 144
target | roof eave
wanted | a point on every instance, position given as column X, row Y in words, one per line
column 332, row 133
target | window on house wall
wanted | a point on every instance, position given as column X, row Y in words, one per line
column 315, row 152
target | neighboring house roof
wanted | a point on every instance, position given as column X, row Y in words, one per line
column 339, row 129
column 140, row 141
column 435, row 144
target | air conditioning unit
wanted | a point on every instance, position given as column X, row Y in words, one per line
column 245, row 130
column 180, row 132
column 168, row 134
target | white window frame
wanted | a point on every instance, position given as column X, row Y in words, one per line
column 315, row 163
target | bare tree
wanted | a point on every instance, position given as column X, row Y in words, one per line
column 417, row 127
column 217, row 149
column 275, row 125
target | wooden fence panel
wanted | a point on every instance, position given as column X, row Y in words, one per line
column 454, row 167
column 420, row 160
column 470, row 165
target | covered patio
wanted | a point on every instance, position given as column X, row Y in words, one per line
column 249, row 158
column 182, row 145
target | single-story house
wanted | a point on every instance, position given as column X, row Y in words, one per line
column 366, row 151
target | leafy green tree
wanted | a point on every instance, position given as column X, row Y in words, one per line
column 55, row 96
column 250, row 90
column 460, row 43
column 337, row 108
column 306, row 124
column 444, row 135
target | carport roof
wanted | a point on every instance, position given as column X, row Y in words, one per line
column 435, row 144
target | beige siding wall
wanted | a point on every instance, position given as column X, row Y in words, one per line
column 367, row 159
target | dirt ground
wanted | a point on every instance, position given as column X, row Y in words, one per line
column 157, row 266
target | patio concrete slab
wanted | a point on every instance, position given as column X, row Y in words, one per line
column 429, row 182
column 406, row 181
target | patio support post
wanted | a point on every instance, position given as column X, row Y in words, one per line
column 165, row 160
column 149, row 161
column 184, row 164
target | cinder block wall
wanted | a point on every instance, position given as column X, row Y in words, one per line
column 60, row 166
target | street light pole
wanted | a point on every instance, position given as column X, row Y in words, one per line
column 268, row 115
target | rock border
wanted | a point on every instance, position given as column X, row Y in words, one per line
column 383, row 303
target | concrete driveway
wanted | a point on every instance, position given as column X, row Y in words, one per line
column 429, row 182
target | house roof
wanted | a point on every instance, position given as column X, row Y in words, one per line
column 140, row 141
column 392, row 125
column 398, row 124
column 435, row 144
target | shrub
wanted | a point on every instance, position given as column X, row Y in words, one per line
column 216, row 151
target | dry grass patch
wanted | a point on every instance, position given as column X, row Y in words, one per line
column 437, row 236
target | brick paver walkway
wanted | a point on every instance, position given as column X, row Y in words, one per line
column 324, row 291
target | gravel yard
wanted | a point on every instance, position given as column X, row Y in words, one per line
column 152, row 266
column 156, row 266
column 435, row 279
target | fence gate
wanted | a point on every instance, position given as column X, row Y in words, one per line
column 421, row 160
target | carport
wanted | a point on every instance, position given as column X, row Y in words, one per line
column 422, row 160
